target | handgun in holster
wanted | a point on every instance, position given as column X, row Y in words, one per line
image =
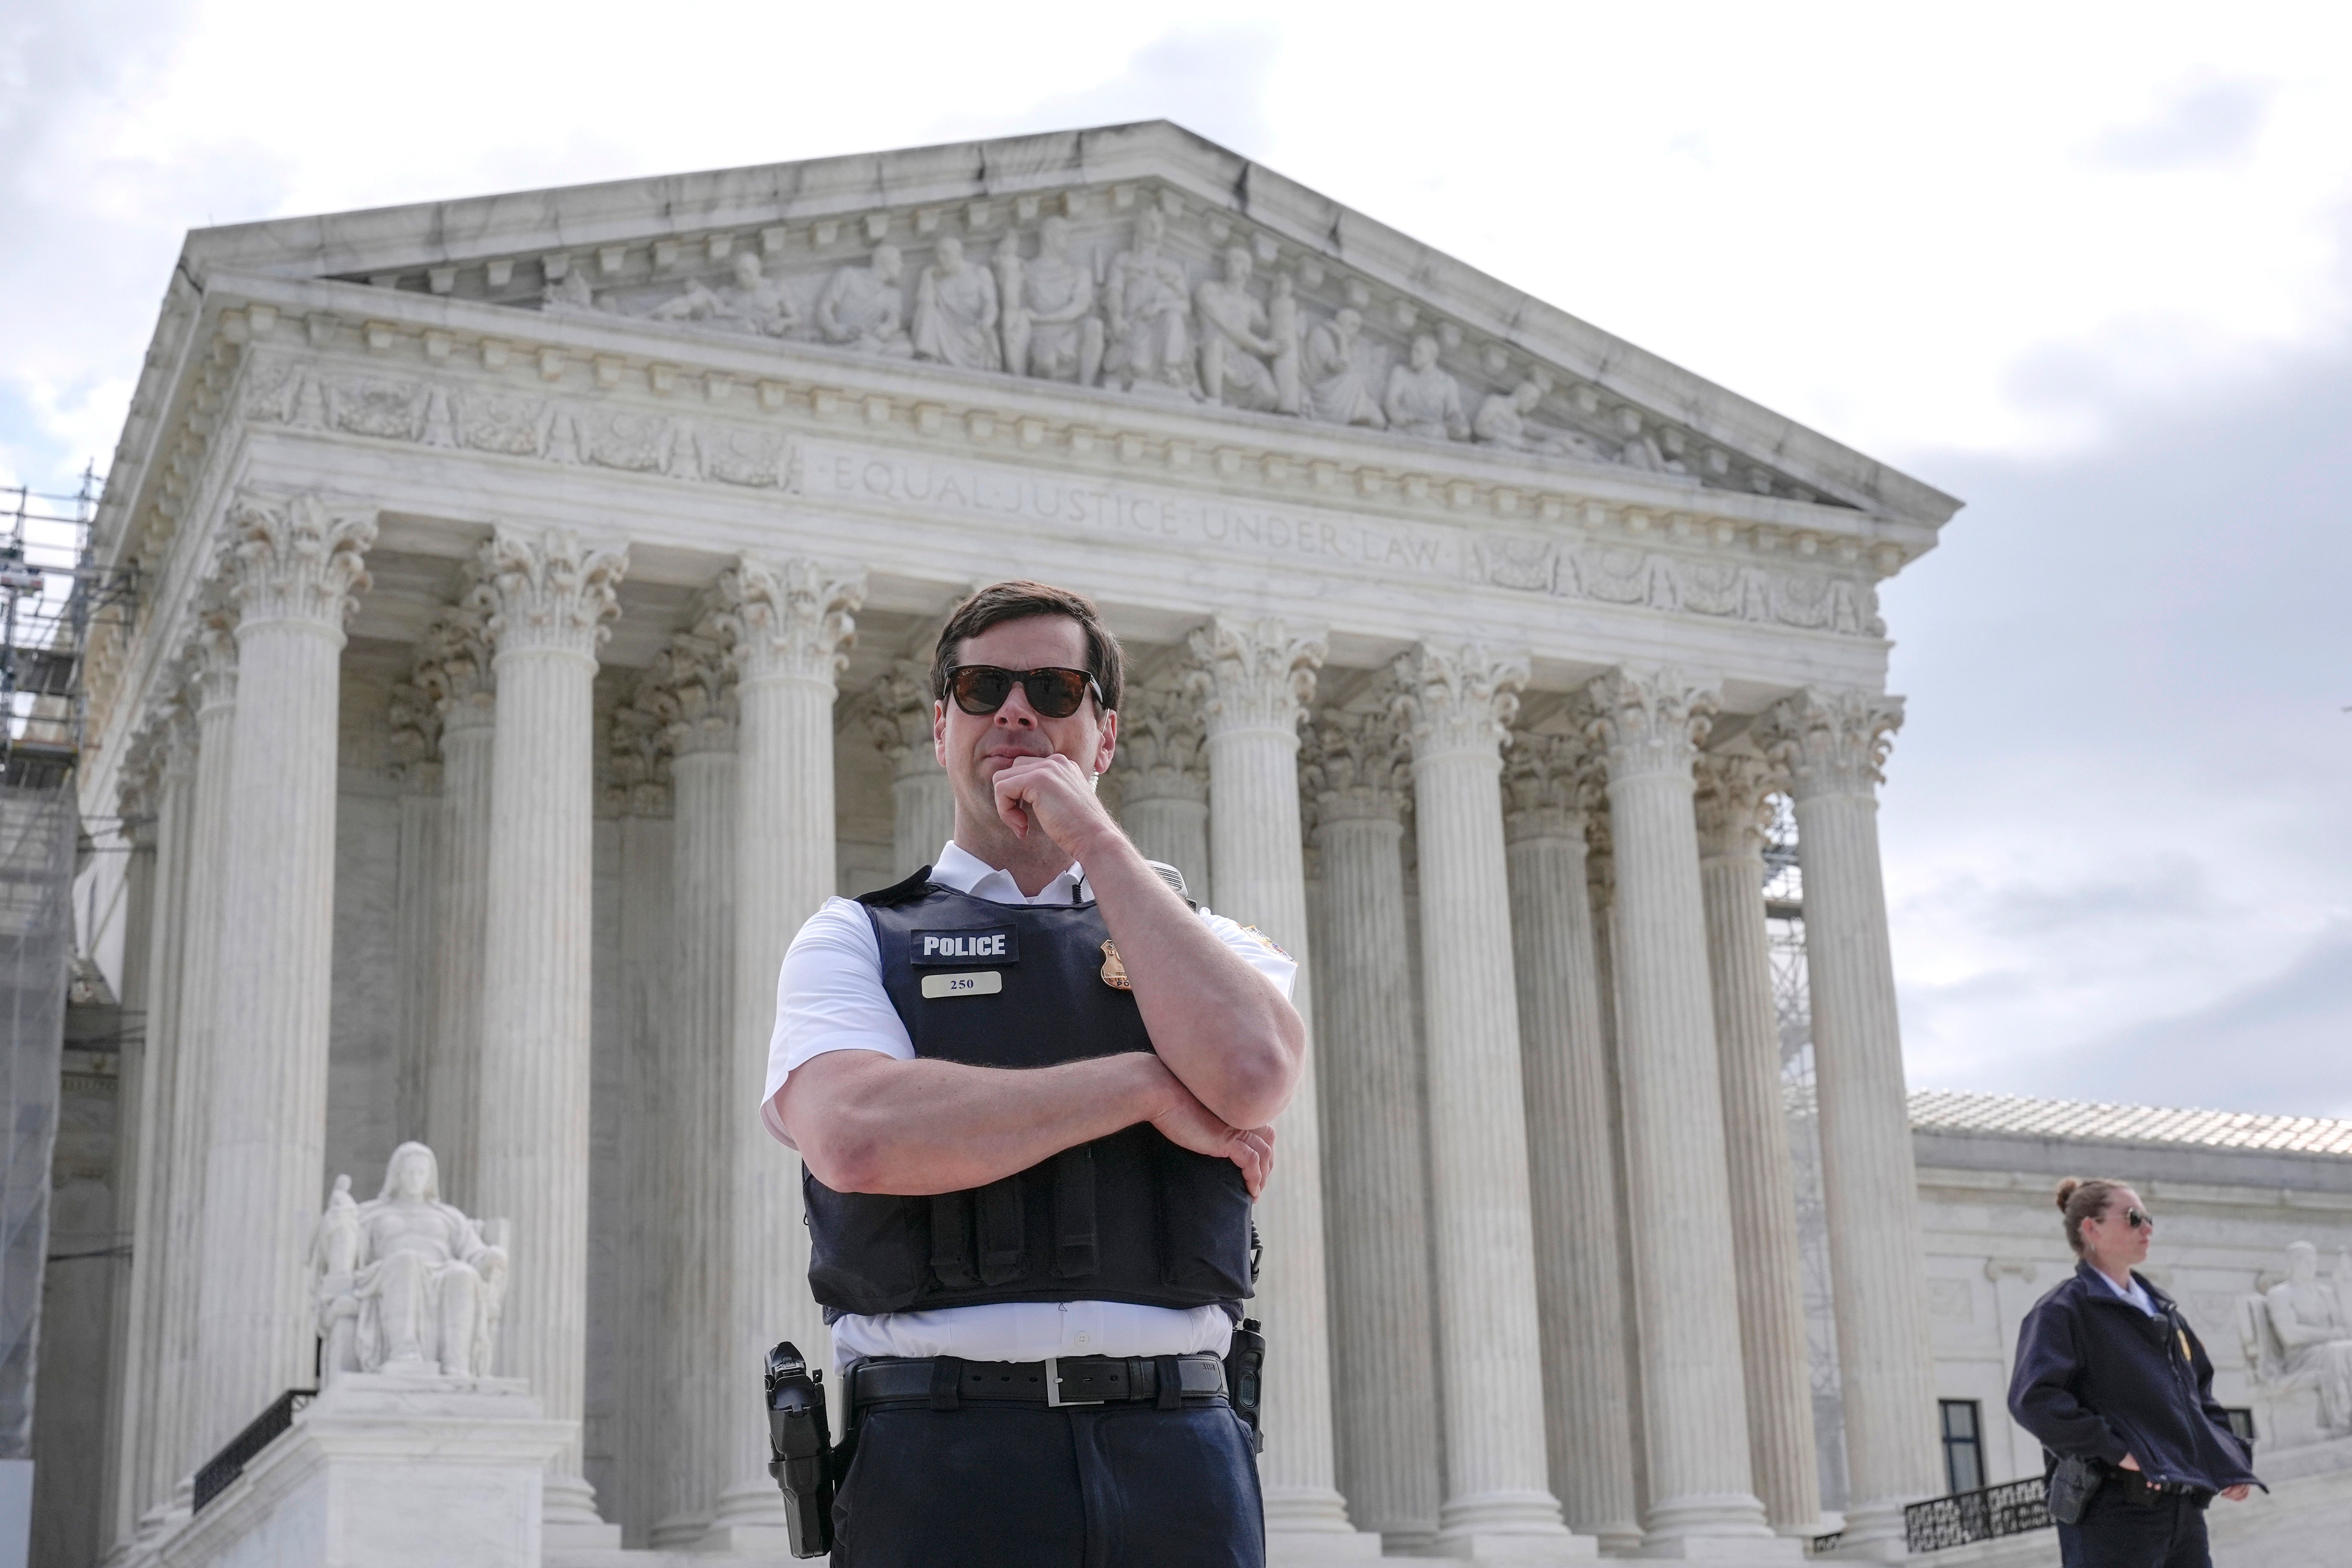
column 800, row 1450
column 1245, row 1377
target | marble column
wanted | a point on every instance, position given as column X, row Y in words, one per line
column 152, row 801
column 922, row 806
column 1833, row 744
column 452, row 669
column 789, row 621
column 645, row 1446
column 1701, row 1503
column 1499, row 1498
column 1601, row 883
column 174, row 1439
column 1376, row 1164
column 414, row 721
column 1160, row 773
column 1572, row 1175
column 693, row 691
column 1252, row 680
column 550, row 595
column 298, row 568
column 1733, row 810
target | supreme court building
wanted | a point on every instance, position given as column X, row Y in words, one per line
column 535, row 594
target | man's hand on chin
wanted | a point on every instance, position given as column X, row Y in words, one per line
column 1053, row 793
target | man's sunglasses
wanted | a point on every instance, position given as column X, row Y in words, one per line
column 982, row 688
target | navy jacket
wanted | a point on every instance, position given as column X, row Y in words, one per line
column 2098, row 1378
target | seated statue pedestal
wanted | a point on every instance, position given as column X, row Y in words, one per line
column 387, row 1470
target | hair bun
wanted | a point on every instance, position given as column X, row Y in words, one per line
column 2066, row 1190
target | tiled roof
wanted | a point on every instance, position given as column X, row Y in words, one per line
column 1949, row 1111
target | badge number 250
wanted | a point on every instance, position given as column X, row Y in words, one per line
column 971, row 983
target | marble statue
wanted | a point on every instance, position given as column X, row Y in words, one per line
column 2313, row 1324
column 568, row 292
column 1502, row 422
column 1050, row 329
column 757, row 303
column 1286, row 331
column 1235, row 347
column 1337, row 390
column 1150, row 309
column 1424, row 400
column 1641, row 449
column 405, row 1282
column 862, row 309
column 955, row 311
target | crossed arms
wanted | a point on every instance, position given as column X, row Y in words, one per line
column 1228, row 1048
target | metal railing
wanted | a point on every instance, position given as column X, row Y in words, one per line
column 2011, row 1507
column 265, row 1429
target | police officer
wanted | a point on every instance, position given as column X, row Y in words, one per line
column 1031, row 1088
column 2109, row 1376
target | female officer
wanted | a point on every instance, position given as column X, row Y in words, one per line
column 2107, row 1371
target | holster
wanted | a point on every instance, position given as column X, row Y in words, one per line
column 2072, row 1484
column 800, row 1450
column 1245, row 1377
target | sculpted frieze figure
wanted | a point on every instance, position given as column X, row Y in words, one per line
column 1051, row 329
column 1338, row 389
column 1641, row 449
column 568, row 292
column 1235, row 347
column 405, row 1282
column 1502, row 422
column 1286, row 331
column 1150, row 310
column 1424, row 400
column 2310, row 1327
column 862, row 308
column 753, row 303
column 955, row 311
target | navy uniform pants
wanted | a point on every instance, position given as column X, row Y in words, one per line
column 1021, row 1485
column 2124, row 1527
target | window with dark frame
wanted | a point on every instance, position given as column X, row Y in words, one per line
column 1963, row 1445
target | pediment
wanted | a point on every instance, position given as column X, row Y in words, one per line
column 1125, row 254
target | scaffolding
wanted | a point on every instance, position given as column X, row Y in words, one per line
column 51, row 592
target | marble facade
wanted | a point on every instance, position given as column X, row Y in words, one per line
column 536, row 589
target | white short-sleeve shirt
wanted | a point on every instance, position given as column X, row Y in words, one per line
column 829, row 998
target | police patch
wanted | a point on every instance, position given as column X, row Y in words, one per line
column 963, row 948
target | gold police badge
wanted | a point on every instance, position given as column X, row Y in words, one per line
column 1114, row 973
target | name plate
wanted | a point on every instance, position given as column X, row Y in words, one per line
column 980, row 983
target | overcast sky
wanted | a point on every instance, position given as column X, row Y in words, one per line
column 2085, row 267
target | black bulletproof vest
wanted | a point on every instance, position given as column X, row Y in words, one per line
column 1130, row 1217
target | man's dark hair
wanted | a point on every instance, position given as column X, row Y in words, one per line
column 1022, row 600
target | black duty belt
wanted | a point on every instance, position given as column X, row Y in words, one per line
column 946, row 1382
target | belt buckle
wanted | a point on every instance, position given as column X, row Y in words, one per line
column 1054, row 1400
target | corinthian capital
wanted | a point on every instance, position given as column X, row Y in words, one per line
column 697, row 682
column 210, row 655
column 1253, row 675
column 1355, row 767
column 452, row 667
column 297, row 560
column 898, row 711
column 1459, row 699
column 1162, row 736
column 637, row 752
column 1549, row 785
column 1647, row 722
column 1734, row 804
column 1832, row 743
column 547, row 591
column 791, row 620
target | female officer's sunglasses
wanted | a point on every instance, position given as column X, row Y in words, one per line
column 982, row 688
